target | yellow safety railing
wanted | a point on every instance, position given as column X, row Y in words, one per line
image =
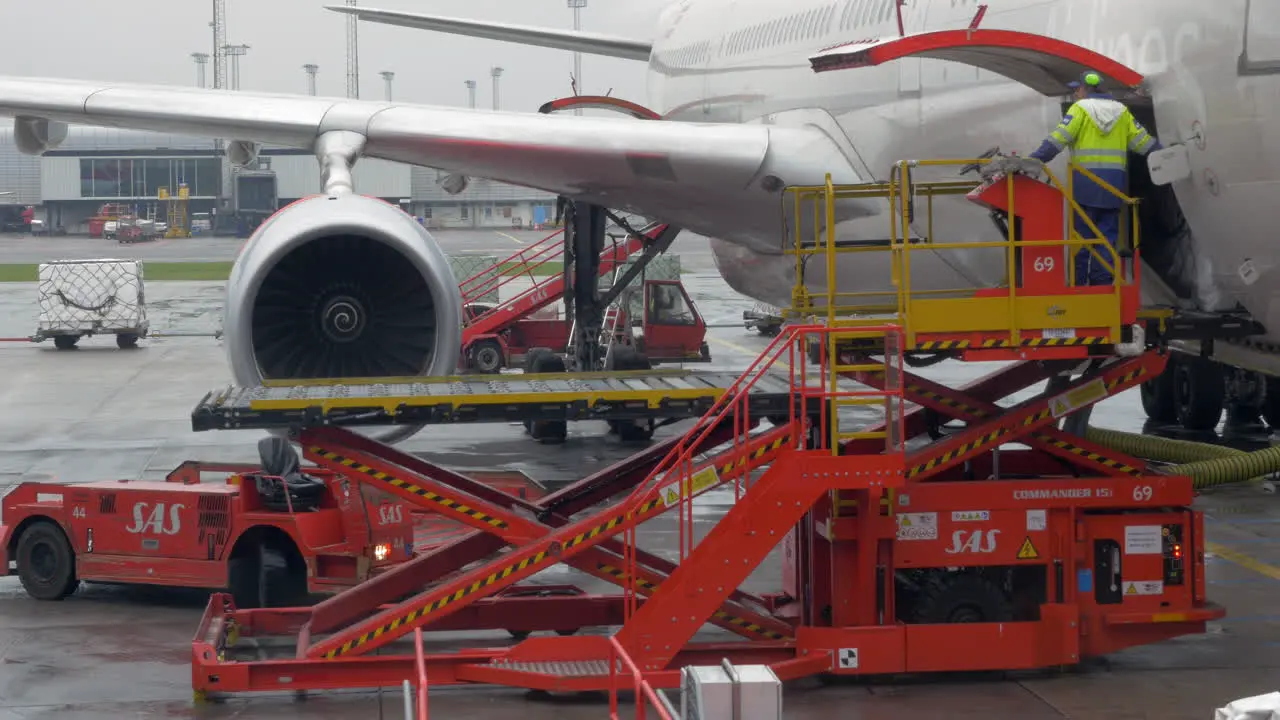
column 853, row 308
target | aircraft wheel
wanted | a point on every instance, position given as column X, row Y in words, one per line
column 1158, row 395
column 1271, row 405
column 46, row 563
column 1200, row 390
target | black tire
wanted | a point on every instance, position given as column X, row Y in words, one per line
column 962, row 597
column 769, row 330
column 1200, row 390
column 283, row 583
column 548, row 432
column 625, row 359
column 1158, row 395
column 65, row 342
column 1271, row 405
column 126, row 341
column 486, row 356
column 530, row 360
column 46, row 563
column 263, row 577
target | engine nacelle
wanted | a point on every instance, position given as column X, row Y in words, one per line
column 342, row 286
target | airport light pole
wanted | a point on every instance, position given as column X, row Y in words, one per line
column 576, row 6
column 388, row 76
column 235, row 52
column 471, row 93
column 202, row 63
column 496, row 73
column 311, row 70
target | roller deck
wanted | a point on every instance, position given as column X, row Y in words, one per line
column 513, row 398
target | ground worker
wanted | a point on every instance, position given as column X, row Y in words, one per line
column 1101, row 133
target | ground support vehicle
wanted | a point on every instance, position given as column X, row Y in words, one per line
column 669, row 331
column 900, row 556
column 80, row 298
column 500, row 335
column 272, row 534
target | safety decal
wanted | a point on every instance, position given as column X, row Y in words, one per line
column 1028, row 550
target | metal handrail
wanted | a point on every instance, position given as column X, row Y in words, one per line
column 643, row 690
column 900, row 192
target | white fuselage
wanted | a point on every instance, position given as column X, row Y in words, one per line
column 744, row 61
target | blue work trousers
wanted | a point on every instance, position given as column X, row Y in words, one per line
column 1088, row 270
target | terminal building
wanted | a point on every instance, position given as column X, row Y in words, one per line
column 97, row 166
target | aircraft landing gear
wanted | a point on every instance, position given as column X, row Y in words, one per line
column 1194, row 392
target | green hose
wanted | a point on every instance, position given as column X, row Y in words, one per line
column 1158, row 449
column 1207, row 465
column 1221, row 471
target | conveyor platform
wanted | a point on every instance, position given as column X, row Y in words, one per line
column 503, row 398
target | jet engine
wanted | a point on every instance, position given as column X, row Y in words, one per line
column 338, row 286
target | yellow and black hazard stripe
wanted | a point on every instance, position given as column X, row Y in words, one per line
column 1087, row 454
column 732, row 464
column 974, row 444
column 994, row 435
column 1024, row 342
column 719, row 615
column 552, row 551
column 407, row 486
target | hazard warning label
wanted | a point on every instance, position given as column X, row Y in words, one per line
column 1144, row 587
column 918, row 526
column 1028, row 550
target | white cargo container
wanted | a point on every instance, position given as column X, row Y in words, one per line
column 91, row 297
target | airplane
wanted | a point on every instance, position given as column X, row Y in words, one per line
column 743, row 115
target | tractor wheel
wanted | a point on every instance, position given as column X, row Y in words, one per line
column 46, row 563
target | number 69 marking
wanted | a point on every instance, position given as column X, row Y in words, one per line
column 1044, row 264
column 1142, row 493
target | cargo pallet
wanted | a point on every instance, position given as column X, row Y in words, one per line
column 900, row 555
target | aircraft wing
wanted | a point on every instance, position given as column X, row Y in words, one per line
column 695, row 175
column 578, row 41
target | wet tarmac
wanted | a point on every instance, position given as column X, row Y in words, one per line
column 112, row 652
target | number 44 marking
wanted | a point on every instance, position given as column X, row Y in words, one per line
column 78, row 512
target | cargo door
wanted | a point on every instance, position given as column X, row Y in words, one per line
column 1042, row 63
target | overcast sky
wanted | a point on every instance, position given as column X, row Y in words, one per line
column 151, row 41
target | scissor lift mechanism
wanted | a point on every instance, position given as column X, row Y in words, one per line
column 1072, row 550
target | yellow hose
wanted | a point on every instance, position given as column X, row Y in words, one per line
column 1207, row 465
